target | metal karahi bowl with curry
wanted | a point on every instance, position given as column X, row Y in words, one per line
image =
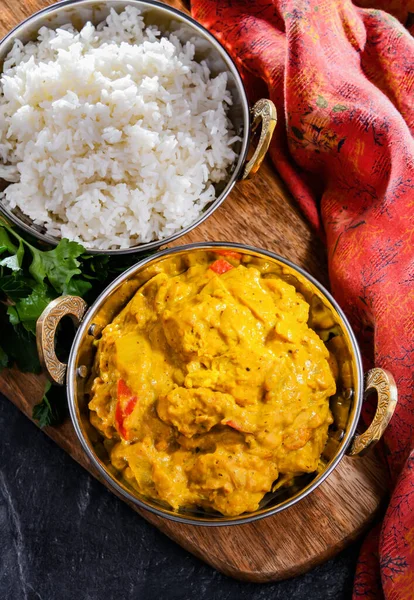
column 215, row 383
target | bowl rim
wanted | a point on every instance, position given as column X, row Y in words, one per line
column 234, row 176
column 71, row 376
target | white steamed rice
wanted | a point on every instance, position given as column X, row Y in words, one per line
column 113, row 136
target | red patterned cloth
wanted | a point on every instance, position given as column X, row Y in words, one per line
column 342, row 78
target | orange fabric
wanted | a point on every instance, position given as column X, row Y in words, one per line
column 342, row 80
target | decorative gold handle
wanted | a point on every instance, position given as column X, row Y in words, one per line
column 46, row 325
column 264, row 111
column 383, row 382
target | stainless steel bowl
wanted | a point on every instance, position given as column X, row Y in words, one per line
column 326, row 318
column 168, row 19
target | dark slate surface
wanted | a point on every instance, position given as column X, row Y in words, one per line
column 63, row 536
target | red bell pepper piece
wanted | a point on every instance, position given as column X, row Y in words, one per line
column 125, row 405
column 123, row 390
column 130, row 406
column 229, row 253
column 221, row 266
column 234, row 425
column 119, row 421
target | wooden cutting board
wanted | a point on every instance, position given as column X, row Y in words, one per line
column 259, row 212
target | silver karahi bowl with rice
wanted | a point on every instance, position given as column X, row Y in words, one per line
column 123, row 125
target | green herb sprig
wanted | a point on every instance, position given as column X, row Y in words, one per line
column 31, row 275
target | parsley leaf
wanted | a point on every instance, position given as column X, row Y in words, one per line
column 77, row 287
column 20, row 345
column 14, row 262
column 15, row 286
column 5, row 241
column 30, row 277
column 51, row 409
column 31, row 307
column 58, row 265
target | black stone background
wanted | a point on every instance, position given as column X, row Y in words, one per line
column 63, row 536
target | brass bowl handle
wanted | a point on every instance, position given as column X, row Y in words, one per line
column 383, row 382
column 46, row 326
column 265, row 111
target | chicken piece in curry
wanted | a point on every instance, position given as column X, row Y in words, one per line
column 209, row 387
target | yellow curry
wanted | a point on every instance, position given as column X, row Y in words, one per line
column 210, row 387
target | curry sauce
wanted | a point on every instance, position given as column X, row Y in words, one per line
column 210, row 387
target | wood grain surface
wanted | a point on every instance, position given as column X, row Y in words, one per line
column 258, row 212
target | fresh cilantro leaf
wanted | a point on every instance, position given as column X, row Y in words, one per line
column 20, row 346
column 104, row 268
column 119, row 264
column 5, row 242
column 14, row 262
column 77, row 287
column 16, row 286
column 30, row 326
column 52, row 408
column 42, row 412
column 31, row 307
column 58, row 265
column 30, row 277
